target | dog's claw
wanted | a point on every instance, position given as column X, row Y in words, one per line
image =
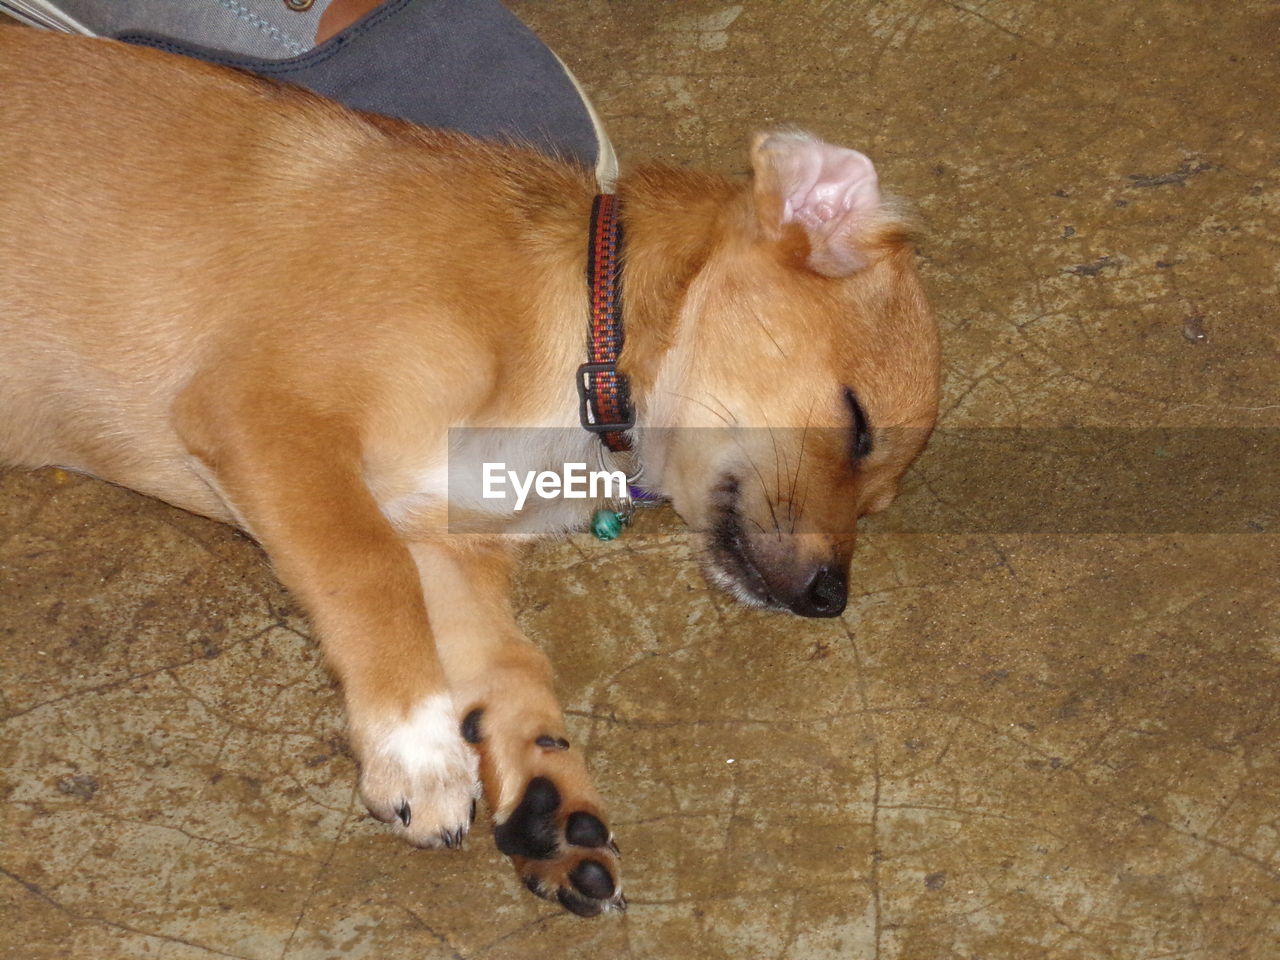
column 534, row 886
column 448, row 839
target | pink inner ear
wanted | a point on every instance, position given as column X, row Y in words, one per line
column 829, row 191
column 822, row 185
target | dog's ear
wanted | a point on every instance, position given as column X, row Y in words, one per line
column 816, row 199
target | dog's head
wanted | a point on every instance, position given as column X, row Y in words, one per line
column 801, row 379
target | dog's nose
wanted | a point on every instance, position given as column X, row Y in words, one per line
column 825, row 596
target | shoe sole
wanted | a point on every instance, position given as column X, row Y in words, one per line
column 41, row 13
column 606, row 159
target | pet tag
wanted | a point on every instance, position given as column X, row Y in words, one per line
column 607, row 524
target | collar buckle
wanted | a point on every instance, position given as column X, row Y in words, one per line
column 602, row 382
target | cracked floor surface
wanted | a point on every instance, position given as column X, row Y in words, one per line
column 1012, row 745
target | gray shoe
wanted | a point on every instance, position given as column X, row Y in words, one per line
column 469, row 65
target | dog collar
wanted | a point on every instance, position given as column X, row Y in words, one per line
column 604, row 394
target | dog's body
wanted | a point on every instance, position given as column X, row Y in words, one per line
column 259, row 306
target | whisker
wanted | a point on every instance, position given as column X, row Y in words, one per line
column 795, row 477
column 764, row 487
column 732, row 423
column 765, row 327
column 777, row 463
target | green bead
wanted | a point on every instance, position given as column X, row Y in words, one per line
column 606, row 524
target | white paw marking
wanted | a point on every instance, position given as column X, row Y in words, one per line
column 429, row 744
column 420, row 776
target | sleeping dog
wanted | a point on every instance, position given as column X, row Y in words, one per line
column 265, row 308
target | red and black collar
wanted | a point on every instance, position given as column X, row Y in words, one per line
column 604, row 394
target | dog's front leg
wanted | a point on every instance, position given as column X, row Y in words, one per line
column 293, row 479
column 548, row 817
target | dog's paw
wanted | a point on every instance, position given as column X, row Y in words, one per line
column 561, row 851
column 420, row 776
column 548, row 818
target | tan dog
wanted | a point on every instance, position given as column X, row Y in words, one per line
column 264, row 308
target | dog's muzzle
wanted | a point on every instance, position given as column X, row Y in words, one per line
column 770, row 580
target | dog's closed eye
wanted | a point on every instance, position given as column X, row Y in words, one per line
column 861, row 445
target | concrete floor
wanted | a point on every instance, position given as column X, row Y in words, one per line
column 1012, row 746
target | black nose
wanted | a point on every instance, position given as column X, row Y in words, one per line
column 824, row 597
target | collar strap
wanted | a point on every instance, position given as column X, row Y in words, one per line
column 604, row 394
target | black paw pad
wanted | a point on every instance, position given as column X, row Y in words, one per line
column 585, row 830
column 576, row 903
column 591, row 877
column 405, row 813
column 548, row 742
column 530, row 831
column 471, row 726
